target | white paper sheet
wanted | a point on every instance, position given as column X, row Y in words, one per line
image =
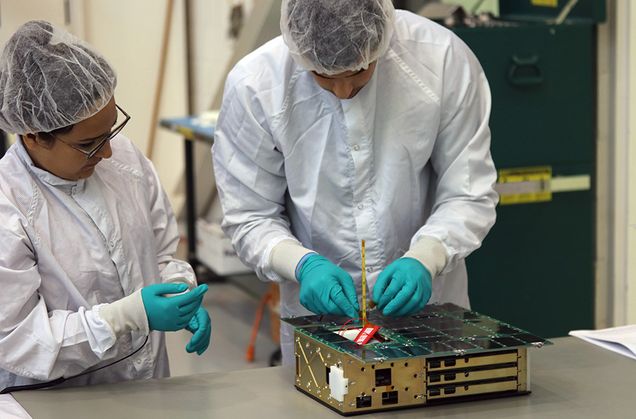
column 621, row 339
column 11, row 409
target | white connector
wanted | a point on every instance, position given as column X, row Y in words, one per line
column 338, row 384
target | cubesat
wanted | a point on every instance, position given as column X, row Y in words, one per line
column 441, row 355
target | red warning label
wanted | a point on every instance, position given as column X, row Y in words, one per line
column 366, row 334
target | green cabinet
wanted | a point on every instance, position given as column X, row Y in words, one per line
column 536, row 267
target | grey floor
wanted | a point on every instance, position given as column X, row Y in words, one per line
column 232, row 306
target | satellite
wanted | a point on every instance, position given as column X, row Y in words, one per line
column 443, row 354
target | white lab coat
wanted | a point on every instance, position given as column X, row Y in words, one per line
column 68, row 246
column 407, row 157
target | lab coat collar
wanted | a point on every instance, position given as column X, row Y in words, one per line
column 43, row 175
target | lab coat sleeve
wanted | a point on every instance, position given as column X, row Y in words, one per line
column 166, row 232
column 465, row 199
column 35, row 342
column 250, row 178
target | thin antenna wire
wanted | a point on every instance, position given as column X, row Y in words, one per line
column 364, row 287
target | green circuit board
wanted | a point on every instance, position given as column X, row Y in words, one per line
column 439, row 330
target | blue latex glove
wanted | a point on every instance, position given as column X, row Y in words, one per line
column 403, row 288
column 326, row 288
column 201, row 328
column 171, row 313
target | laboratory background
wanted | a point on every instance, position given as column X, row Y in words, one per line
column 560, row 257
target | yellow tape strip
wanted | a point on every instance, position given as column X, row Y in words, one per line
column 525, row 185
column 545, row 3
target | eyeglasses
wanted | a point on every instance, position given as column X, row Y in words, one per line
column 92, row 148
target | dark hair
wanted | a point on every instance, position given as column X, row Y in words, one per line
column 49, row 136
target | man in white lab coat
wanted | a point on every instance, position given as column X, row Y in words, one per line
column 87, row 236
column 359, row 123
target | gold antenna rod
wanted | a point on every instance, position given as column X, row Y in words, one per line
column 364, row 287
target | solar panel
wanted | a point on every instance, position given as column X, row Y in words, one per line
column 439, row 330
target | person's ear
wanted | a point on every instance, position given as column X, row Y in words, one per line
column 30, row 141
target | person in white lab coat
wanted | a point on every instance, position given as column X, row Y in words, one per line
column 87, row 237
column 359, row 123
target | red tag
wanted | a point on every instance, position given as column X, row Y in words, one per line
column 366, row 334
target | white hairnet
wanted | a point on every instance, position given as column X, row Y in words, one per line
column 335, row 36
column 50, row 79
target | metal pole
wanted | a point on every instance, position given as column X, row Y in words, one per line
column 191, row 205
column 3, row 143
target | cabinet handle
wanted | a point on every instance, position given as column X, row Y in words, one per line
column 525, row 71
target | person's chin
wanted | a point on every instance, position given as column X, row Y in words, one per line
column 87, row 172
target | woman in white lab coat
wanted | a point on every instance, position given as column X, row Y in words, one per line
column 359, row 123
column 87, row 236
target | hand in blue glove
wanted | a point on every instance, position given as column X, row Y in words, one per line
column 201, row 328
column 171, row 313
column 326, row 288
column 403, row 288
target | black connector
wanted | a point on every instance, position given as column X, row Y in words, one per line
column 383, row 377
column 389, row 397
column 363, row 401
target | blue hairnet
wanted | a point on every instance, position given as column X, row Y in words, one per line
column 335, row 36
column 50, row 79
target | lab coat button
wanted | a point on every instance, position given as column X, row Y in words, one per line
column 360, row 206
column 356, row 147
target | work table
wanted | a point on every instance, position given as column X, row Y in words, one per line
column 570, row 379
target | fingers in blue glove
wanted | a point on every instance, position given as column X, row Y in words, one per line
column 167, row 288
column 200, row 326
column 169, row 312
column 381, row 284
column 351, row 306
column 190, row 296
column 408, row 301
column 416, row 304
column 190, row 308
column 340, row 303
column 326, row 288
column 397, row 294
column 403, row 288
